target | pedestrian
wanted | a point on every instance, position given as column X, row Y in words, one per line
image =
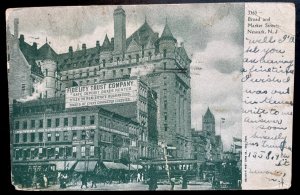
column 184, row 180
column 138, row 179
column 142, row 177
column 45, row 181
column 152, row 178
column 172, row 181
column 83, row 181
column 34, row 180
column 94, row 180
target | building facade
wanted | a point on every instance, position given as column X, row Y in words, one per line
column 159, row 61
column 207, row 146
column 46, row 132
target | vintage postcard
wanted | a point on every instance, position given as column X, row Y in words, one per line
column 151, row 97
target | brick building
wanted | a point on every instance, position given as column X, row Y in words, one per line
column 45, row 132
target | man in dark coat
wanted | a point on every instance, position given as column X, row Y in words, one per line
column 84, row 181
column 152, row 179
column 184, row 180
column 94, row 180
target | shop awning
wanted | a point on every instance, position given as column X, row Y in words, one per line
column 135, row 167
column 83, row 166
column 112, row 165
column 64, row 165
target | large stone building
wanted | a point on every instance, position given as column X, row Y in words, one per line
column 207, row 146
column 157, row 60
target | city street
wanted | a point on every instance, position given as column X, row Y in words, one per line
column 123, row 187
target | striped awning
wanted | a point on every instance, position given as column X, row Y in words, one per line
column 64, row 165
column 113, row 165
column 135, row 167
column 83, row 166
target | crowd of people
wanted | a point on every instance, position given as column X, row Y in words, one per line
column 66, row 178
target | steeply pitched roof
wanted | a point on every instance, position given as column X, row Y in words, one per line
column 46, row 52
column 167, row 34
column 78, row 59
column 143, row 35
column 208, row 114
column 106, row 46
column 30, row 53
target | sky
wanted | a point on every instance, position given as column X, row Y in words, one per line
column 212, row 35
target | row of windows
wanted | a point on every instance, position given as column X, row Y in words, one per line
column 58, row 152
column 121, row 73
column 54, row 136
column 54, row 123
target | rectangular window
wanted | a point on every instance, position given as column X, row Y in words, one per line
column 17, row 138
column 41, row 135
column 166, row 127
column 56, row 137
column 56, row 153
column 41, row 125
column 32, row 137
column 114, row 73
column 165, row 92
column 49, row 137
column 66, row 122
column 65, row 135
column 57, row 122
column 103, row 74
column 92, row 134
column 103, row 63
column 23, row 87
column 24, row 137
column 122, row 71
column 165, row 104
column 87, row 151
column 166, row 116
column 129, row 71
column 74, row 135
column 74, row 120
column 165, row 65
column 48, row 122
column 83, row 134
column 83, row 120
column 69, row 151
column 24, row 124
column 82, row 151
column 17, row 125
column 92, row 150
column 74, row 151
column 137, row 57
column 165, row 53
column 92, row 120
column 32, row 124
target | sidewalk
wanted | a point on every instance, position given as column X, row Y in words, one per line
column 121, row 187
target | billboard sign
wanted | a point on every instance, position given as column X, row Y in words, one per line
column 102, row 93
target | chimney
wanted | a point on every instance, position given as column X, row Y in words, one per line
column 98, row 46
column 119, row 30
column 22, row 38
column 34, row 46
column 84, row 48
column 16, row 28
column 112, row 41
column 70, row 51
